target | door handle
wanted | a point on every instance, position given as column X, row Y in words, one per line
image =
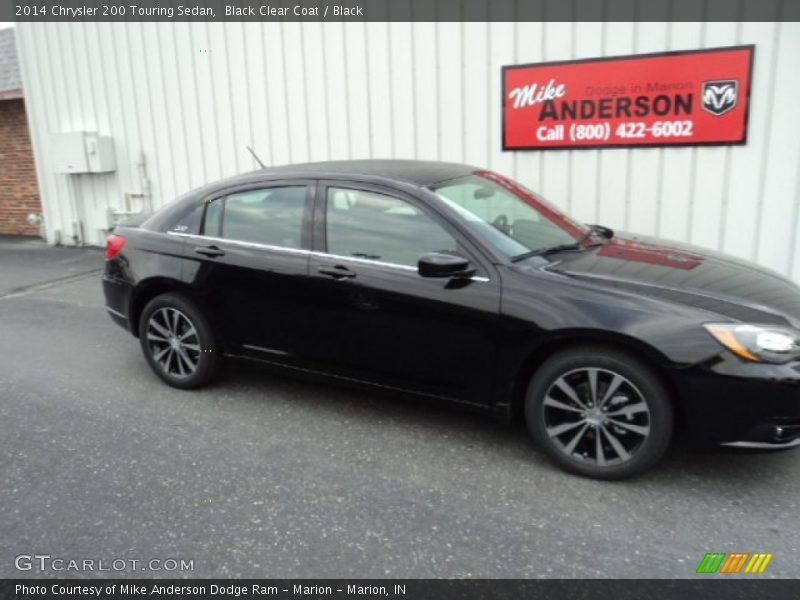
column 209, row 251
column 337, row 272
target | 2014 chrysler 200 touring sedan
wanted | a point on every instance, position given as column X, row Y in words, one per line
column 456, row 283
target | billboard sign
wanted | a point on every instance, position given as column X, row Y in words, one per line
column 681, row 98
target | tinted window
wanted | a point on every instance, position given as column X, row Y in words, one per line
column 509, row 216
column 272, row 216
column 380, row 227
column 213, row 218
column 189, row 222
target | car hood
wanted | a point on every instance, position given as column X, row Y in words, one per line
column 686, row 274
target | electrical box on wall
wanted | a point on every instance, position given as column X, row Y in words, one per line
column 83, row 152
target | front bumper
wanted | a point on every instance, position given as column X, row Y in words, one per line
column 741, row 404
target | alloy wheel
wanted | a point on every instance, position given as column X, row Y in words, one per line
column 173, row 342
column 597, row 416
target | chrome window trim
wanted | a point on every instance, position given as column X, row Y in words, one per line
column 364, row 261
column 242, row 243
column 368, row 261
column 304, row 252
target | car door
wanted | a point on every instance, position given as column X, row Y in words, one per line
column 249, row 262
column 376, row 318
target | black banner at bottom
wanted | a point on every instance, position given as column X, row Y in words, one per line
column 405, row 589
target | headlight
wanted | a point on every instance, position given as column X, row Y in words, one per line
column 760, row 343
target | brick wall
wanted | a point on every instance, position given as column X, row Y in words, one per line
column 19, row 193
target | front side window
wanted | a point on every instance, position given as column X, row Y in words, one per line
column 507, row 215
column 382, row 228
column 271, row 216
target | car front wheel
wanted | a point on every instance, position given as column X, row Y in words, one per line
column 599, row 413
column 178, row 342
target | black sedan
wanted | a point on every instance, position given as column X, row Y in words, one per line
column 458, row 284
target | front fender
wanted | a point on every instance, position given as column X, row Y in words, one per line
column 538, row 307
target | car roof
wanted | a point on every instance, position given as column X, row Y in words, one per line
column 414, row 172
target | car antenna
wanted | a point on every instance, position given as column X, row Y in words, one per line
column 258, row 160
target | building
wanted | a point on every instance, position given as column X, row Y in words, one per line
column 19, row 194
column 177, row 104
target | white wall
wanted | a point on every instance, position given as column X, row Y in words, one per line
column 192, row 96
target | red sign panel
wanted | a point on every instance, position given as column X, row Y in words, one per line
column 666, row 99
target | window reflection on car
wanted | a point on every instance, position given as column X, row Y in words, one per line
column 384, row 228
column 514, row 225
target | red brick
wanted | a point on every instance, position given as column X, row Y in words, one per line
column 19, row 193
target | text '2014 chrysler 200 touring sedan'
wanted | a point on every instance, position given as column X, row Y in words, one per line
column 456, row 283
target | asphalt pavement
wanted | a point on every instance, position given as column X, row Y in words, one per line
column 266, row 475
column 28, row 262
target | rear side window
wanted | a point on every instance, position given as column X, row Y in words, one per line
column 190, row 222
column 270, row 216
column 213, row 219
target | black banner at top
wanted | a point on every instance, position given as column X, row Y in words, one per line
column 399, row 10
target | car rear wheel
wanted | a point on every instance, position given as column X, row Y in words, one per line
column 599, row 413
column 177, row 341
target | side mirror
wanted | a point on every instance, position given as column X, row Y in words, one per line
column 436, row 264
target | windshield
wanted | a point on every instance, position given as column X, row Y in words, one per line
column 510, row 217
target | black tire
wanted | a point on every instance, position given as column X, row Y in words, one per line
column 170, row 316
column 624, row 432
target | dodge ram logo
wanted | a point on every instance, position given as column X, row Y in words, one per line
column 720, row 96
